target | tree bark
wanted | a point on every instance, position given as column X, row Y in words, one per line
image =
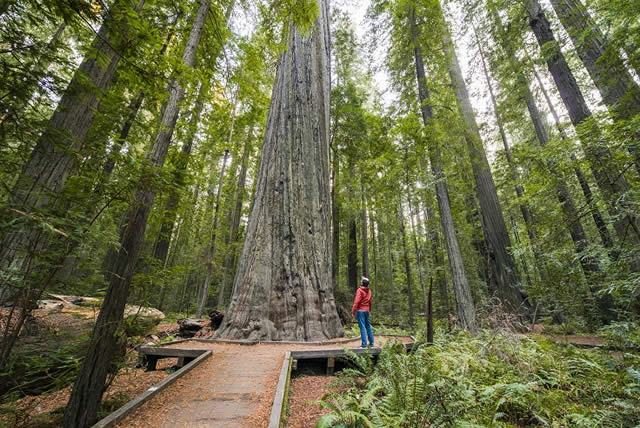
column 407, row 264
column 235, row 222
column 352, row 228
column 464, row 299
column 507, row 277
column 419, row 260
column 365, row 244
column 374, row 240
column 161, row 249
column 211, row 252
column 392, row 288
column 282, row 289
column 335, row 220
column 81, row 411
column 620, row 93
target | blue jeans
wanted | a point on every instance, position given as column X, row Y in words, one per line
column 364, row 322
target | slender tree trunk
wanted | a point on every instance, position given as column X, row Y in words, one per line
column 235, row 222
column 432, row 235
column 419, row 259
column 335, row 220
column 352, row 243
column 464, row 299
column 374, row 241
column 498, row 240
column 365, row 244
column 392, row 288
column 620, row 93
column 211, row 252
column 611, row 182
column 161, row 249
column 407, row 264
column 81, row 411
column 282, row 290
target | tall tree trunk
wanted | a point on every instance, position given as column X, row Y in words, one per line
column 365, row 243
column 374, row 241
column 392, row 288
column 335, row 220
column 161, row 249
column 464, row 299
column 620, row 93
column 235, row 222
column 54, row 156
column 407, row 264
column 611, row 182
column 419, row 259
column 81, row 411
column 282, row 289
column 352, row 240
column 211, row 251
column 503, row 263
column 524, row 210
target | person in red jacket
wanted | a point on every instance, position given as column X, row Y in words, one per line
column 361, row 308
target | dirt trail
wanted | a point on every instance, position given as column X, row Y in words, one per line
column 233, row 388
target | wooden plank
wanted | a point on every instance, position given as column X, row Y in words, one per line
column 326, row 353
column 277, row 342
column 170, row 352
column 280, row 399
column 331, row 364
column 132, row 405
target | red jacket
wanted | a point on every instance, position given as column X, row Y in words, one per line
column 362, row 301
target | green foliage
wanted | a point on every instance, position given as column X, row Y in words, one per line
column 44, row 367
column 495, row 379
column 622, row 335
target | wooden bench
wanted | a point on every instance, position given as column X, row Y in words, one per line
column 151, row 354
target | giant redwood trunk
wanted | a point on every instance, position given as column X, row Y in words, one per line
column 507, row 278
column 87, row 391
column 282, row 288
column 464, row 299
column 611, row 182
column 619, row 91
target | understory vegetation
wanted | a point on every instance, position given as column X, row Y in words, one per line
column 496, row 378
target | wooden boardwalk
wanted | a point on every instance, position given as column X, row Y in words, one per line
column 235, row 387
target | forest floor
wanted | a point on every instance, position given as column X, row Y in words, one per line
column 302, row 411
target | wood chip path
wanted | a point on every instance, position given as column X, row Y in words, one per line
column 233, row 388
